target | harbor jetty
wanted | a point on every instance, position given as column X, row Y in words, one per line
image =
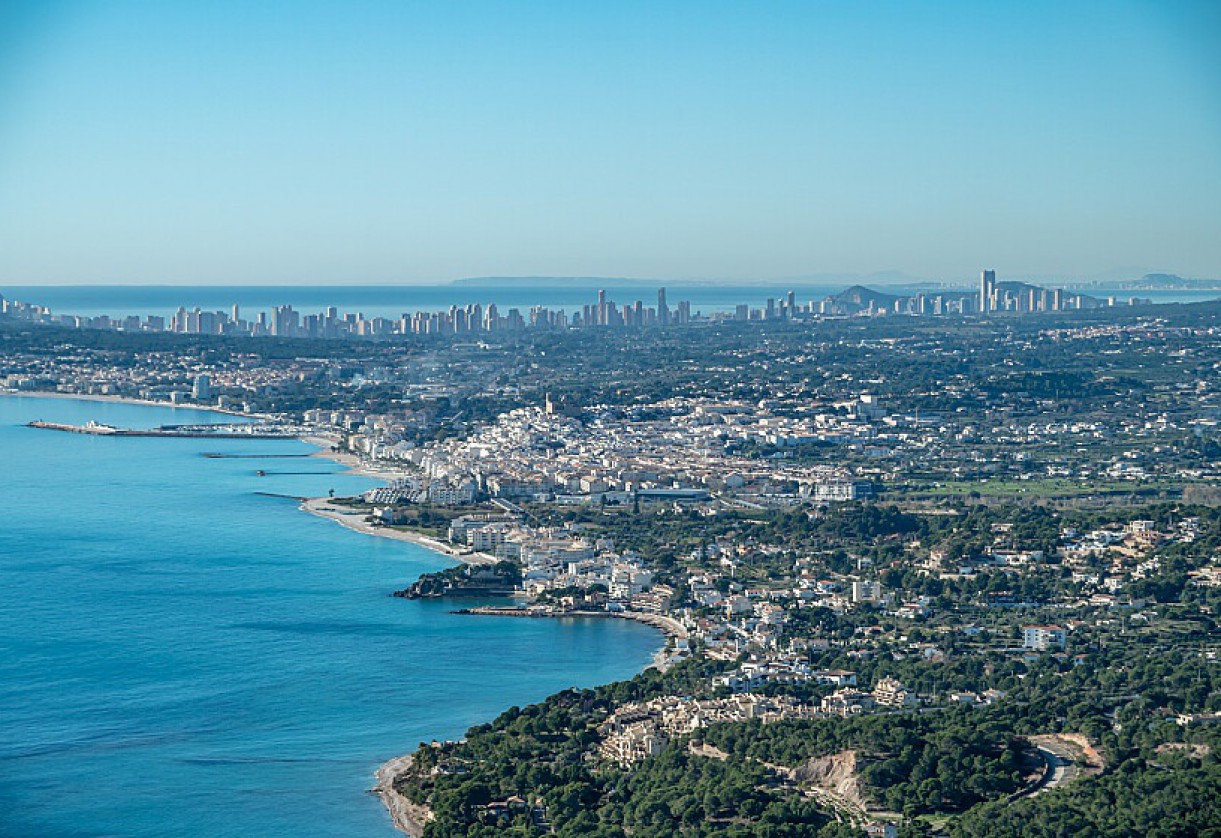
column 670, row 626
column 239, row 430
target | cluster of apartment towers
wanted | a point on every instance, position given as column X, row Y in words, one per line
column 1026, row 298
column 285, row 321
column 475, row 318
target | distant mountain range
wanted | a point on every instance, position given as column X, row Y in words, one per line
column 553, row 282
column 859, row 295
column 1171, row 282
column 888, row 278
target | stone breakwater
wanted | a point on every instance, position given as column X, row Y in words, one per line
column 238, row 431
column 670, row 626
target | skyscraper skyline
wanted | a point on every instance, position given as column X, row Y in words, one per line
column 987, row 291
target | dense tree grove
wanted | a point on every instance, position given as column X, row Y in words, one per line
column 1160, row 778
column 1165, row 795
column 912, row 763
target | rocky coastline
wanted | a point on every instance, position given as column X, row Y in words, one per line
column 409, row 818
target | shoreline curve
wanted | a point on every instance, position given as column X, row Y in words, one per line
column 409, row 818
column 323, row 508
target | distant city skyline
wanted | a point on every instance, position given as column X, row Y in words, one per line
column 603, row 311
column 319, row 143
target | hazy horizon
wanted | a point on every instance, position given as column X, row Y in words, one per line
column 895, row 279
column 379, row 143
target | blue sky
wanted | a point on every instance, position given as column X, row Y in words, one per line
column 368, row 142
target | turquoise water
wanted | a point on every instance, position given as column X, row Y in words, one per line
column 180, row 656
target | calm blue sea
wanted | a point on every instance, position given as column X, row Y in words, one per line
column 181, row 656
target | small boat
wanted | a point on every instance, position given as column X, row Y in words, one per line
column 261, row 473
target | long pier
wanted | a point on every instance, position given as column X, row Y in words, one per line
column 216, row 456
column 173, row 431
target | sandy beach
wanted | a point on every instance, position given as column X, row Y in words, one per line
column 353, row 463
column 83, row 397
column 354, row 520
column 408, row 817
column 324, row 508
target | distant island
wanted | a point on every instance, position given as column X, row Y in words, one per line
column 1157, row 282
column 1171, row 282
column 550, row 281
column 889, row 278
